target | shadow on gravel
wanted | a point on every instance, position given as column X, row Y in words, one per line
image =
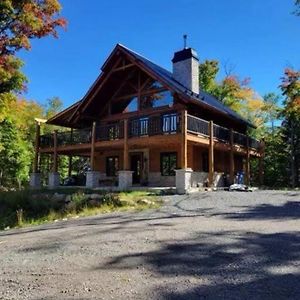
column 289, row 210
column 234, row 265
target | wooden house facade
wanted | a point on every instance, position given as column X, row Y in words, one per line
column 142, row 125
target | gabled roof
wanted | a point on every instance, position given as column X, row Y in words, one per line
column 202, row 97
column 164, row 76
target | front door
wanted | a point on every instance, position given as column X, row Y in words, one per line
column 136, row 161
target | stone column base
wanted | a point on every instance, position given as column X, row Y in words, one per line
column 54, row 179
column 35, row 180
column 183, row 180
column 125, row 179
column 92, row 179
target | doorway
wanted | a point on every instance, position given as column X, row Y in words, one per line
column 136, row 165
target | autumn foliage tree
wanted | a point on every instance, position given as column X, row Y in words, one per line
column 21, row 21
column 232, row 91
column 290, row 87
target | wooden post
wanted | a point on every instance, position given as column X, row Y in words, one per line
column 93, row 141
column 231, row 158
column 247, row 163
column 55, row 156
column 184, row 139
column 36, row 148
column 70, row 156
column 126, row 152
column 261, row 163
column 211, row 154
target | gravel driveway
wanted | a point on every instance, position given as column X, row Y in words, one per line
column 216, row 245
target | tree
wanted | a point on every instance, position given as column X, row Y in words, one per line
column 15, row 155
column 297, row 10
column 21, row 21
column 290, row 87
column 232, row 91
column 271, row 108
column 208, row 71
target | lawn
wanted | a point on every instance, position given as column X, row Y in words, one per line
column 28, row 207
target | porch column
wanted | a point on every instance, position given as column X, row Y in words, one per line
column 93, row 146
column 125, row 175
column 92, row 176
column 183, row 175
column 261, row 163
column 231, row 158
column 184, row 139
column 211, row 154
column 126, row 152
column 35, row 176
column 247, row 178
column 70, row 157
column 54, row 179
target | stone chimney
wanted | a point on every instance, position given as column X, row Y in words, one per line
column 186, row 69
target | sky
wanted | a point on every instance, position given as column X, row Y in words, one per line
column 258, row 38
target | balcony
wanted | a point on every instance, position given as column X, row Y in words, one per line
column 147, row 126
column 200, row 127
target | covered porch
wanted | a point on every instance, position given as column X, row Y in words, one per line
column 166, row 150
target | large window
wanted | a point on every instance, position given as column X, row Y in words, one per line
column 112, row 165
column 156, row 100
column 168, row 163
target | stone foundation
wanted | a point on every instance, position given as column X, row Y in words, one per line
column 183, row 180
column 125, row 180
column 35, row 180
column 54, row 179
column 156, row 179
column 92, row 179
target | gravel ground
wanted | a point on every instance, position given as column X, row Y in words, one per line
column 216, row 245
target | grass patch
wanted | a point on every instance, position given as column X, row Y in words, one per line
column 28, row 207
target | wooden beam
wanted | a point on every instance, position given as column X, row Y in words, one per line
column 122, row 68
column 97, row 89
column 55, row 156
column 145, row 83
column 231, row 158
column 154, row 91
column 139, row 90
column 93, row 146
column 36, row 148
column 126, row 152
column 261, row 163
column 211, row 164
column 184, row 139
column 247, row 178
column 118, row 90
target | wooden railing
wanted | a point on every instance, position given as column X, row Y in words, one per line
column 154, row 125
column 168, row 123
column 199, row 126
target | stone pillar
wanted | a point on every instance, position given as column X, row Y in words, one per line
column 183, row 180
column 125, row 179
column 211, row 162
column 92, row 179
column 54, row 179
column 35, row 180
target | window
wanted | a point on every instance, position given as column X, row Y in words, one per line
column 156, row 100
column 112, row 165
column 132, row 105
column 169, row 123
column 168, row 163
column 139, row 127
